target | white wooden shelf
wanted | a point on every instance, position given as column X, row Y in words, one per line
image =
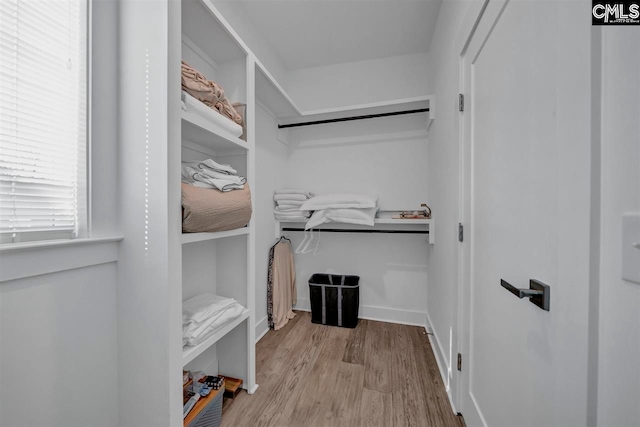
column 272, row 95
column 389, row 106
column 200, row 237
column 190, row 353
column 276, row 99
column 384, row 223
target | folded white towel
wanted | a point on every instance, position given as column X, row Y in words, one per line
column 287, row 209
column 279, row 197
column 294, row 191
column 224, row 183
column 291, row 213
column 290, row 203
column 211, row 164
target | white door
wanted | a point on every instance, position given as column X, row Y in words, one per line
column 526, row 201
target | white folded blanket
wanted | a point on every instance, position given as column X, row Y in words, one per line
column 205, row 314
column 193, row 334
column 203, row 306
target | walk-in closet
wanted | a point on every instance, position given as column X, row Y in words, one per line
column 319, row 212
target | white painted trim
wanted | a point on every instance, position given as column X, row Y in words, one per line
column 441, row 360
column 199, row 237
column 382, row 314
column 201, row 53
column 23, row 260
column 262, row 327
column 253, row 389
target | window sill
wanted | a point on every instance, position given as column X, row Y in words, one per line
column 21, row 260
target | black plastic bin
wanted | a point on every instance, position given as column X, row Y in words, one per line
column 335, row 299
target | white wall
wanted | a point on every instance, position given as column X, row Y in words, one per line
column 386, row 157
column 359, row 82
column 271, row 160
column 619, row 373
column 59, row 329
column 58, row 364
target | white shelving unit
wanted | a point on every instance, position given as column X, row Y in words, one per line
column 220, row 263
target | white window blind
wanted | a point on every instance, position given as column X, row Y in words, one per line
column 43, row 119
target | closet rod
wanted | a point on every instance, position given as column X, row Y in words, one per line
column 348, row 230
column 347, row 119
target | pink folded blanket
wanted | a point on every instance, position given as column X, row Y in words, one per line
column 208, row 92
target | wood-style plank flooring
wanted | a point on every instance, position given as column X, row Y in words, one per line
column 378, row 374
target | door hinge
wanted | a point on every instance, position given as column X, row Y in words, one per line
column 460, row 232
column 459, row 362
column 461, row 102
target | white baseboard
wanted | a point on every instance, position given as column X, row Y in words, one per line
column 262, row 327
column 441, row 360
column 382, row 314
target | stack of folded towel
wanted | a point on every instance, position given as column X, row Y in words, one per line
column 209, row 174
column 288, row 204
column 204, row 315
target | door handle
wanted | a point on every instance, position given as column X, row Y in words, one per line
column 538, row 292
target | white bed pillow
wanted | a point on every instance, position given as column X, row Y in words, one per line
column 339, row 201
column 348, row 215
column 318, row 217
column 353, row 216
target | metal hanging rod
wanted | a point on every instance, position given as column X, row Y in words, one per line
column 348, row 119
column 350, row 230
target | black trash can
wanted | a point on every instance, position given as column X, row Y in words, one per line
column 335, row 299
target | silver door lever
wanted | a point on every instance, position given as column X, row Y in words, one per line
column 538, row 293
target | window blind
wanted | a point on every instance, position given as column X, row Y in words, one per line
column 43, row 119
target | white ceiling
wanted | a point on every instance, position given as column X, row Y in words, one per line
column 311, row 33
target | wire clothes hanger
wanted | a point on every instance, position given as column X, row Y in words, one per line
column 305, row 246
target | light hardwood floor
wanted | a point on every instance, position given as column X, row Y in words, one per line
column 378, row 374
